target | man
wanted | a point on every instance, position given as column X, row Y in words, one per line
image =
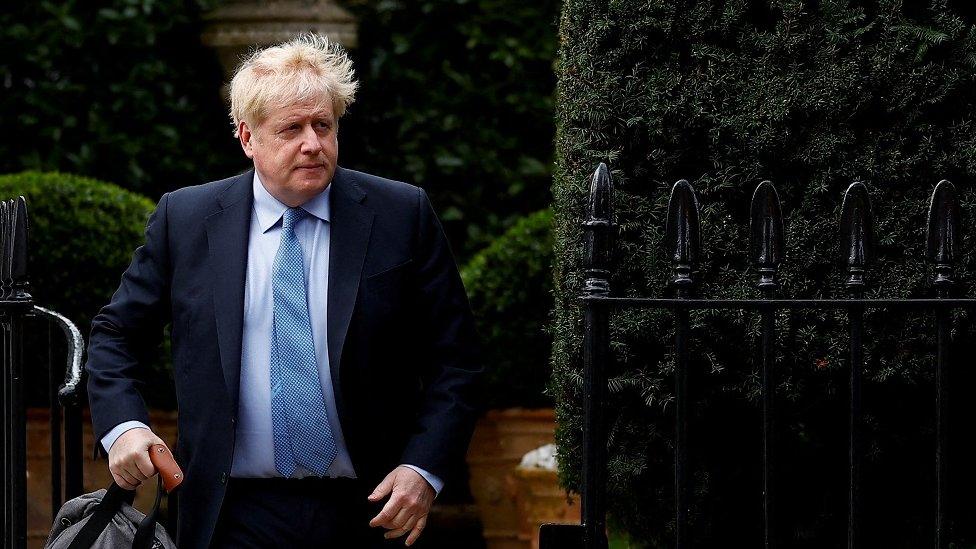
column 324, row 352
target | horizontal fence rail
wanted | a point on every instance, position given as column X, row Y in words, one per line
column 766, row 251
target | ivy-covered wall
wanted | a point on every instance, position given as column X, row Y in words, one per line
column 812, row 95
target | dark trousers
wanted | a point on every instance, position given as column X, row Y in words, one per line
column 295, row 514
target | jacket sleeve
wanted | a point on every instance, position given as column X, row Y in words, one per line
column 127, row 330
column 451, row 371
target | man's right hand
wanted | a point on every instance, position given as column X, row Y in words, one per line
column 128, row 459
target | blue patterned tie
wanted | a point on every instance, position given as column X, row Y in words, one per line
column 302, row 435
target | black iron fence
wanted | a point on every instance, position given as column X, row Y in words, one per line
column 17, row 309
column 766, row 252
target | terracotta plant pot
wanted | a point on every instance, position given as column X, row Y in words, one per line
column 541, row 500
column 500, row 440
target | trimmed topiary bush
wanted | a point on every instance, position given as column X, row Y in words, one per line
column 814, row 96
column 509, row 285
column 82, row 235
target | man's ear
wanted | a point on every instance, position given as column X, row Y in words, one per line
column 245, row 135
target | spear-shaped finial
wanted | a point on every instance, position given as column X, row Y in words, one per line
column 683, row 232
column 768, row 240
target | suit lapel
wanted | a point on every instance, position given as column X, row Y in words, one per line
column 228, row 232
column 351, row 223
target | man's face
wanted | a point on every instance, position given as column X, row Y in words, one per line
column 294, row 149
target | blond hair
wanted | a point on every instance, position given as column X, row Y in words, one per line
column 306, row 68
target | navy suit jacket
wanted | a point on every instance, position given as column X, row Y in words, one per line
column 402, row 341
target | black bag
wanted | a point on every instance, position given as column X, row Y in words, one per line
column 105, row 519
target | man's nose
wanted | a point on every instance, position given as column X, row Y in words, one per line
column 310, row 140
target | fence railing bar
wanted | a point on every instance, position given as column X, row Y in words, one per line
column 681, row 429
column 6, row 507
column 767, row 245
column 855, row 319
column 768, row 413
column 17, row 435
column 942, row 243
column 941, row 415
column 54, row 411
column 856, row 248
column 14, row 305
column 684, row 242
column 755, row 304
column 595, row 355
column 7, row 427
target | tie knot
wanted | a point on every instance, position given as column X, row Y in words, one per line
column 292, row 216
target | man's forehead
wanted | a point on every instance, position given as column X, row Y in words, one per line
column 317, row 109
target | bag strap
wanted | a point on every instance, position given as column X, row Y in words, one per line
column 146, row 531
column 100, row 517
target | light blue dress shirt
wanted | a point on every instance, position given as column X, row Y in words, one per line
column 254, row 445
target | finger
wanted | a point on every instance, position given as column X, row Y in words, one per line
column 383, row 488
column 415, row 533
column 132, row 468
column 132, row 481
column 144, row 465
column 122, row 482
column 407, row 526
column 388, row 512
column 394, row 533
column 411, row 522
column 401, row 518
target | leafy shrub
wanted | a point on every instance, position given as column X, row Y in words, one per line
column 121, row 90
column 814, row 96
column 510, row 288
column 456, row 97
column 82, row 235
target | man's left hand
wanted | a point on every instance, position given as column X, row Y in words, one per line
column 410, row 500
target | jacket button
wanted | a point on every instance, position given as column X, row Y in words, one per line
column 223, row 478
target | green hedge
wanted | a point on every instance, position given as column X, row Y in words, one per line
column 82, row 235
column 509, row 284
column 812, row 95
column 456, row 97
column 122, row 90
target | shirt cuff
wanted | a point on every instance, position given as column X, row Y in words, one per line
column 109, row 439
column 436, row 483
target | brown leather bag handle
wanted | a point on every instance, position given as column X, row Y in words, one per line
column 164, row 462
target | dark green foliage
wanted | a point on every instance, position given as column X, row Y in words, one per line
column 456, row 97
column 82, row 235
column 122, row 90
column 510, row 288
column 812, row 95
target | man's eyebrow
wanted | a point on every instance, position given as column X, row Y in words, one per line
column 314, row 116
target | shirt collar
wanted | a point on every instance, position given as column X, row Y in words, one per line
column 269, row 209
